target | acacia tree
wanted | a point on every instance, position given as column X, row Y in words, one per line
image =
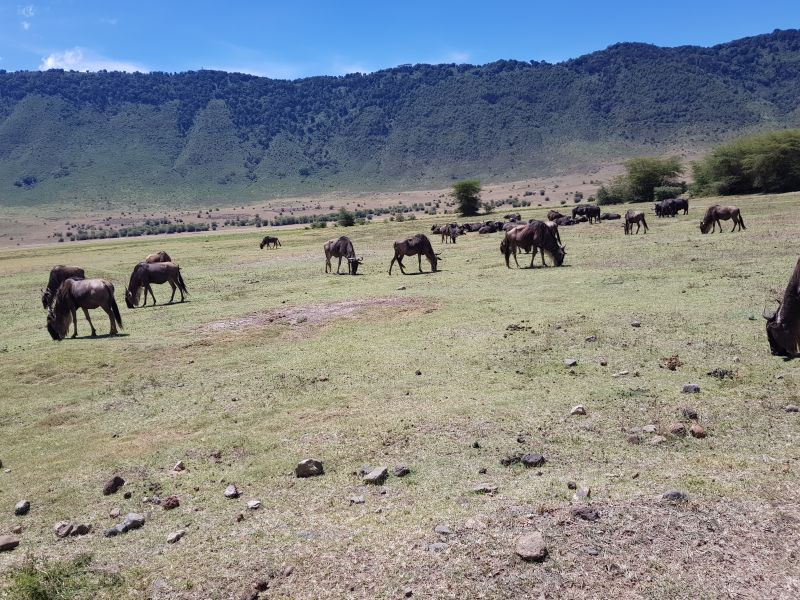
column 647, row 173
column 468, row 195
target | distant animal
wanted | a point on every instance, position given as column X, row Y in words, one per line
column 513, row 217
column 158, row 257
column 450, row 233
column 578, row 210
column 270, row 241
column 663, row 209
column 418, row 245
column 510, row 225
column 58, row 275
column 490, row 228
column 634, row 217
column 536, row 237
column 610, row 216
column 679, row 204
column 717, row 213
column 552, row 215
column 341, row 248
column 85, row 294
column 565, row 221
column 592, row 212
column 783, row 326
column 144, row 274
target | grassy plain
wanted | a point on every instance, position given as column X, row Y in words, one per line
column 272, row 361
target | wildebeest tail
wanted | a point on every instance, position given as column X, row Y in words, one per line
column 181, row 284
column 644, row 222
column 114, row 307
column 741, row 221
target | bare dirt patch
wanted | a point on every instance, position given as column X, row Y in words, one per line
column 312, row 314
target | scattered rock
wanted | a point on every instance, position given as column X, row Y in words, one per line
column 17, row 529
column 570, row 362
column 580, row 409
column 476, row 444
column 442, row 529
column 377, row 476
column 531, row 547
column 591, row 551
column 309, row 468
column 112, row 485
column 571, row 485
column 8, row 543
column 649, row 429
column 691, row 388
column 587, row 513
column 792, row 408
column 239, row 517
column 675, row 496
column 174, row 538
column 603, row 362
column 582, row 494
column 485, row 488
column 288, row 570
column 127, row 495
column 677, row 429
column 721, row 373
column 231, row 491
column 689, row 413
column 673, row 362
column 438, row 547
column 170, row 502
column 697, row 431
column 133, row 521
column 619, row 374
column 81, row 529
column 114, row 513
column 591, row 338
column 401, row 288
column 401, row 471
column 62, row 529
column 22, row 507
column 253, row 504
column 418, row 373
column 408, row 592
column 533, row 460
column 636, row 324
column 511, row 459
column 634, row 439
column 179, row 466
column 357, row 500
column 657, row 440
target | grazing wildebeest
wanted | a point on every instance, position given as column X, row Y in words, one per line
column 145, row 274
column 664, row 209
column 783, row 326
column 717, row 213
column 592, row 212
column 85, row 294
column 58, row 275
column 158, row 257
column 634, row 216
column 417, row 245
column 268, row 241
column 535, row 236
column 341, row 248
column 552, row 215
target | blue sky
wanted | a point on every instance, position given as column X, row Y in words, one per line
column 300, row 38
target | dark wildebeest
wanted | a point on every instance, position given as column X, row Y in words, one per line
column 565, row 221
column 268, row 241
column 158, row 257
column 85, row 294
column 552, row 215
column 341, row 248
column 783, row 326
column 145, row 274
column 592, row 212
column 450, row 233
column 535, row 236
column 58, row 275
column 514, row 217
column 680, row 204
column 488, row 229
column 664, row 209
column 610, row 216
column 717, row 213
column 578, row 210
column 417, row 245
column 634, row 216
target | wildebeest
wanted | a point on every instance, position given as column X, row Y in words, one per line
column 145, row 274
column 592, row 212
column 58, row 275
column 637, row 217
column 513, row 217
column 158, row 257
column 449, row 233
column 418, row 245
column 268, row 241
column 610, row 216
column 717, row 213
column 680, row 204
column 341, row 248
column 535, row 236
column 783, row 326
column 85, row 294
column 565, row 221
column 552, row 215
column 664, row 208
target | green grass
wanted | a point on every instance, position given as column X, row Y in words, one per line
column 345, row 390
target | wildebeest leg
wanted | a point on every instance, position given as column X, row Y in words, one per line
column 171, row 298
column 515, row 257
column 541, row 251
column 419, row 262
column 534, row 249
column 74, row 314
column 86, row 314
column 147, row 288
column 339, row 265
column 111, row 318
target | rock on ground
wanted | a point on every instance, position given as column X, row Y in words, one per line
column 377, row 476
column 697, row 431
column 570, row 362
column 675, row 496
column 533, row 460
column 8, row 543
column 401, row 471
column 175, row 537
column 112, row 485
column 580, row 409
column 254, row 504
column 22, row 507
column 170, row 502
column 62, row 529
column 531, row 547
column 691, row 388
column 231, row 491
column 485, row 488
column 309, row 468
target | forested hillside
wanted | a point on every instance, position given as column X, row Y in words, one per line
column 214, row 136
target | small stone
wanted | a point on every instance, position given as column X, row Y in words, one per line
column 442, row 529
column 288, row 570
column 401, row 288
column 633, row 439
column 408, row 592
column 401, row 471
column 114, row 513
column 170, row 502
column 254, row 504
column 580, row 409
column 792, row 408
column 309, row 468
column 531, row 547
column 133, row 521
column 571, row 485
column 677, row 429
column 476, row 444
column 675, row 496
column 570, row 362
column 657, row 440
column 533, row 460
column 591, row 338
column 586, row 513
column 689, row 413
column 619, row 374
column 485, row 488
column 179, row 466
column 582, row 494
column 239, row 518
column 697, row 431
column 438, row 547
column 482, row 471
column 377, row 476
column 357, row 500
column 636, row 324
column 231, row 491
column 649, row 429
column 62, row 529
column 591, row 551
column 174, row 538
column 127, row 495
column 112, row 485
column 22, row 507
column 81, row 529
column 603, row 362
column 691, row 388
column 8, row 543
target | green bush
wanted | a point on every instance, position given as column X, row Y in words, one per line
column 666, row 191
column 38, row 579
column 345, row 218
column 468, row 196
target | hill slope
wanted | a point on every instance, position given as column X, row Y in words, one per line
column 216, row 136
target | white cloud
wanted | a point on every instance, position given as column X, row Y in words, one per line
column 26, row 11
column 25, row 25
column 78, row 59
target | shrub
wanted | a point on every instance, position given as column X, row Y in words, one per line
column 467, row 195
column 345, row 218
column 666, row 191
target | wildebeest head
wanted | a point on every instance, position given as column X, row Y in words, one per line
column 435, row 258
column 782, row 340
column 57, row 327
column 46, row 297
column 705, row 226
column 558, row 255
column 131, row 299
column 354, row 262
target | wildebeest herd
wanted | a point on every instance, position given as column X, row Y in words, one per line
column 68, row 289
